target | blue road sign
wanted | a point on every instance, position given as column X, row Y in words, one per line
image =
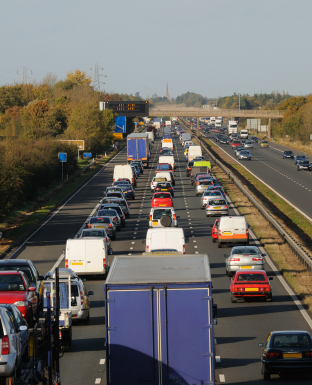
column 87, row 155
column 62, row 156
column 120, row 124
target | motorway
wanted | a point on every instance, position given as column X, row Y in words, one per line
column 241, row 326
column 278, row 173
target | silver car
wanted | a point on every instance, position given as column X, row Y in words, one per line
column 248, row 144
column 238, row 149
column 217, row 206
column 162, row 217
column 209, row 194
column 113, row 215
column 96, row 233
column 244, row 257
column 80, row 303
column 10, row 358
column 202, row 185
column 105, row 223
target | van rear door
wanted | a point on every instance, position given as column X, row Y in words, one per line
column 75, row 254
column 239, row 226
column 95, row 256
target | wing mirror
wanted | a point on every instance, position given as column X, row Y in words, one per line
column 144, row 240
column 32, row 288
column 0, row 236
column 110, row 251
column 23, row 328
column 261, row 345
column 178, row 217
column 263, row 255
column 270, row 278
column 225, row 255
column 187, row 240
column 40, row 278
column 64, row 251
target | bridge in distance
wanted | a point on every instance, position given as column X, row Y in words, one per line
column 225, row 113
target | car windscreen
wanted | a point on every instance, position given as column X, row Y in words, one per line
column 291, row 339
column 100, row 220
column 287, row 152
column 158, row 213
column 24, row 268
column 114, row 194
column 245, row 250
column 110, row 213
column 11, row 282
column 93, row 233
column 254, row 277
column 304, row 162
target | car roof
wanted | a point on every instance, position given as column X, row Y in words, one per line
column 251, row 271
column 290, row 331
column 13, row 262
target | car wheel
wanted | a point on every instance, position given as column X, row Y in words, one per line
column 219, row 245
column 118, row 228
column 133, row 198
column 26, row 355
column 86, row 321
column 114, row 236
column 233, row 299
column 207, row 215
column 269, row 299
column 266, row 374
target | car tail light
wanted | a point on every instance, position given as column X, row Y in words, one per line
column 257, row 259
column 110, row 225
column 115, row 219
column 226, row 207
column 234, row 259
column 307, row 354
column 247, row 231
column 60, row 335
column 89, row 226
column 104, row 262
column 147, row 249
column 66, row 263
column 106, row 240
column 150, row 218
column 81, row 298
column 113, row 180
column 174, row 217
column 239, row 289
column 5, row 345
column 272, row 355
column 183, row 249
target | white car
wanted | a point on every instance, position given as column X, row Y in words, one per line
column 157, row 179
column 162, row 217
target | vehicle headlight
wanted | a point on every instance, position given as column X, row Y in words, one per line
column 21, row 303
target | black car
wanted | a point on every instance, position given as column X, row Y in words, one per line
column 254, row 139
column 286, row 351
column 223, row 140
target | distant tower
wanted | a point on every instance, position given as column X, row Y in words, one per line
column 167, row 93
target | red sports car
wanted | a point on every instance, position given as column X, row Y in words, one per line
column 162, row 199
column 215, row 229
column 248, row 284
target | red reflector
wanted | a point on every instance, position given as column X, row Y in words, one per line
column 255, row 259
column 66, row 263
column 234, row 259
column 5, row 345
column 60, row 335
column 183, row 249
column 308, row 354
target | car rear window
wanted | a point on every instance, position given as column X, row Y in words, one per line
column 212, row 193
column 110, row 213
column 25, row 269
column 254, row 277
column 11, row 282
column 162, row 195
column 245, row 250
column 99, row 220
column 217, row 202
column 114, row 194
column 291, row 339
column 93, row 233
column 74, row 290
column 158, row 213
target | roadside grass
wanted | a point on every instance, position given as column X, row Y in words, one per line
column 22, row 219
column 287, row 262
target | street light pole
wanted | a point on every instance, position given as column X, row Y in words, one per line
column 238, row 99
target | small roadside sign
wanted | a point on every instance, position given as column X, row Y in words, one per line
column 87, row 155
column 62, row 156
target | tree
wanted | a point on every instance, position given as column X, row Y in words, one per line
column 50, row 80
column 78, row 77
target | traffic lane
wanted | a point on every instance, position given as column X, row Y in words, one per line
column 298, row 194
column 241, row 326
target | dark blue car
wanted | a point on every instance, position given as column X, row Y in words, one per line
column 288, row 154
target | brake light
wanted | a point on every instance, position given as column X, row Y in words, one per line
column 150, row 218
column 5, row 345
column 60, row 335
column 110, row 225
column 183, row 249
column 239, row 289
column 234, row 259
column 106, row 240
column 66, row 263
column 225, row 207
column 89, row 226
column 272, row 355
column 113, row 180
column 115, row 219
column 308, row 354
column 104, row 262
column 174, row 217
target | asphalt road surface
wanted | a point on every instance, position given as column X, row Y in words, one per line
column 241, row 326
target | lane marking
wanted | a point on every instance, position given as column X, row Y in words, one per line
column 218, row 359
column 221, row 378
column 102, row 361
column 97, row 381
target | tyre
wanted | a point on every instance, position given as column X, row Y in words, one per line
column 269, row 299
column 114, row 236
column 86, row 321
column 133, row 198
column 207, row 215
column 118, row 228
column 233, row 299
column 26, row 355
column 213, row 240
column 266, row 374
column 220, row 245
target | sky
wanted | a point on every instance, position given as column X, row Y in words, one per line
column 213, row 48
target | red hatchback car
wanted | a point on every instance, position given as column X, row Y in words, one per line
column 215, row 229
column 248, row 284
column 162, row 199
column 15, row 288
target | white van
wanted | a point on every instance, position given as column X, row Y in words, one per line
column 193, row 152
column 243, row 134
column 165, row 239
column 166, row 174
column 86, row 256
column 167, row 159
column 123, row 171
column 233, row 229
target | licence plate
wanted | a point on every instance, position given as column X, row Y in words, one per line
column 155, row 223
column 99, row 227
column 227, row 232
column 251, row 289
column 246, row 267
column 217, row 208
column 77, row 263
column 163, row 189
column 292, row 355
column 162, row 205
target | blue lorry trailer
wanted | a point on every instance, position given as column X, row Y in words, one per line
column 159, row 320
column 138, row 148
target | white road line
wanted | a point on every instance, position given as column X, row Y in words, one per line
column 102, row 361
column 215, row 341
column 218, row 359
column 221, row 378
column 97, row 381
